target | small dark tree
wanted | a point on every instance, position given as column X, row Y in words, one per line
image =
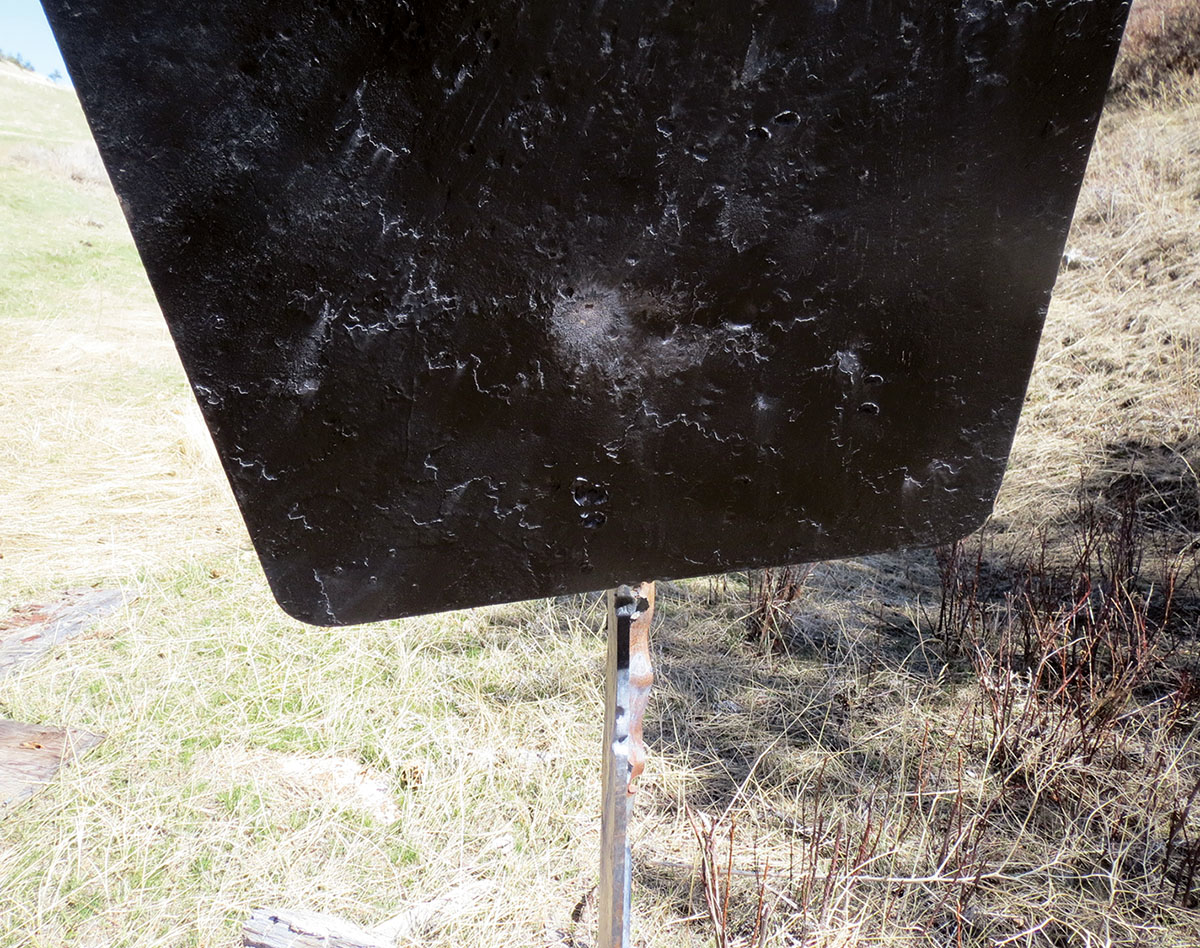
column 17, row 60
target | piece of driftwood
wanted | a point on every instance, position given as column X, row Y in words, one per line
column 26, row 636
column 297, row 928
column 30, row 756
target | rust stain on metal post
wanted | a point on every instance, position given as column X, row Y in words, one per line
column 641, row 678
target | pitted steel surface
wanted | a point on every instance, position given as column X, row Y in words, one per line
column 499, row 300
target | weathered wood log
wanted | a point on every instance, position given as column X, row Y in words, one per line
column 30, row 756
column 27, row 635
column 296, row 928
column 427, row 916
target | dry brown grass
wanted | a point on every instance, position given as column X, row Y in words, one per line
column 80, row 161
column 1117, row 383
column 138, row 479
column 1162, row 40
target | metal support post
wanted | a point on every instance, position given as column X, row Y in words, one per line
column 628, row 677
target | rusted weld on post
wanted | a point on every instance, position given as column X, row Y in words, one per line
column 628, row 677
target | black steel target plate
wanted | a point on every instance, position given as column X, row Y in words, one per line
column 498, row 300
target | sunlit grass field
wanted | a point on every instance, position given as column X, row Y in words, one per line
column 847, row 782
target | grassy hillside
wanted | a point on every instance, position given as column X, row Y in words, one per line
column 91, row 408
column 994, row 745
